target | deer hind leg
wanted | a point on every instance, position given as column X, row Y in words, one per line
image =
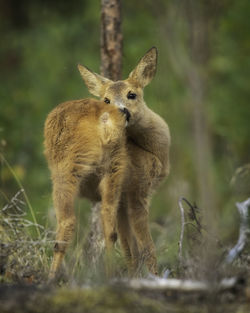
column 65, row 188
column 138, row 219
column 63, row 196
column 127, row 240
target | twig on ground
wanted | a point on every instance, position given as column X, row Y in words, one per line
column 162, row 284
column 243, row 208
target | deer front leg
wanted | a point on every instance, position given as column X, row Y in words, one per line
column 110, row 192
column 110, row 197
column 63, row 195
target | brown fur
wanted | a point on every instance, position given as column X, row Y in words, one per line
column 85, row 144
column 147, row 156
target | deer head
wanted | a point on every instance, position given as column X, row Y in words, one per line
column 126, row 93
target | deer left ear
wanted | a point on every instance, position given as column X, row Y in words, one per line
column 145, row 70
column 93, row 81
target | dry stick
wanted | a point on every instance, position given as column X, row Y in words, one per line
column 243, row 208
column 183, row 223
column 162, row 284
column 182, row 228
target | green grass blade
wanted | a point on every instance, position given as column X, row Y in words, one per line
column 24, row 193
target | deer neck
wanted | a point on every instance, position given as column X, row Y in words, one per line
column 151, row 133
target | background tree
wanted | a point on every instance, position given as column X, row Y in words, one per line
column 111, row 39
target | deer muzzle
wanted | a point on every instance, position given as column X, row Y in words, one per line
column 126, row 112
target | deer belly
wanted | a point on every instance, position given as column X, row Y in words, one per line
column 89, row 188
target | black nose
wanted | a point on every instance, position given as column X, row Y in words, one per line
column 126, row 112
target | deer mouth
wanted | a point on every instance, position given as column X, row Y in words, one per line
column 126, row 112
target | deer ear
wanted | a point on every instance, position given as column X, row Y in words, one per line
column 145, row 70
column 93, row 81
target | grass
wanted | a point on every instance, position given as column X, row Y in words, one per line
column 24, row 254
column 4, row 161
column 25, row 244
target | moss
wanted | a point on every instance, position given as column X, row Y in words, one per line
column 30, row 299
column 101, row 300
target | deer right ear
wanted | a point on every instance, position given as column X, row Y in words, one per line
column 145, row 69
column 93, row 81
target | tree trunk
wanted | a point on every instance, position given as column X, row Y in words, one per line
column 111, row 67
column 111, row 39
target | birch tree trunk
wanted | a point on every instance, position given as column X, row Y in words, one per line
column 111, row 67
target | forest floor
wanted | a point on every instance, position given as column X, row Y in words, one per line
column 30, row 298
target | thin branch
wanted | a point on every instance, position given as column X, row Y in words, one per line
column 193, row 213
column 182, row 228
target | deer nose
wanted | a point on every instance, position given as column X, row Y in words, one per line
column 126, row 112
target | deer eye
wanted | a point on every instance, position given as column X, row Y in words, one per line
column 106, row 100
column 131, row 95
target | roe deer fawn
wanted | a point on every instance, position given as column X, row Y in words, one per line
column 145, row 165
column 85, row 146
column 148, row 142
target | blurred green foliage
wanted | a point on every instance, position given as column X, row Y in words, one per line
column 43, row 41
